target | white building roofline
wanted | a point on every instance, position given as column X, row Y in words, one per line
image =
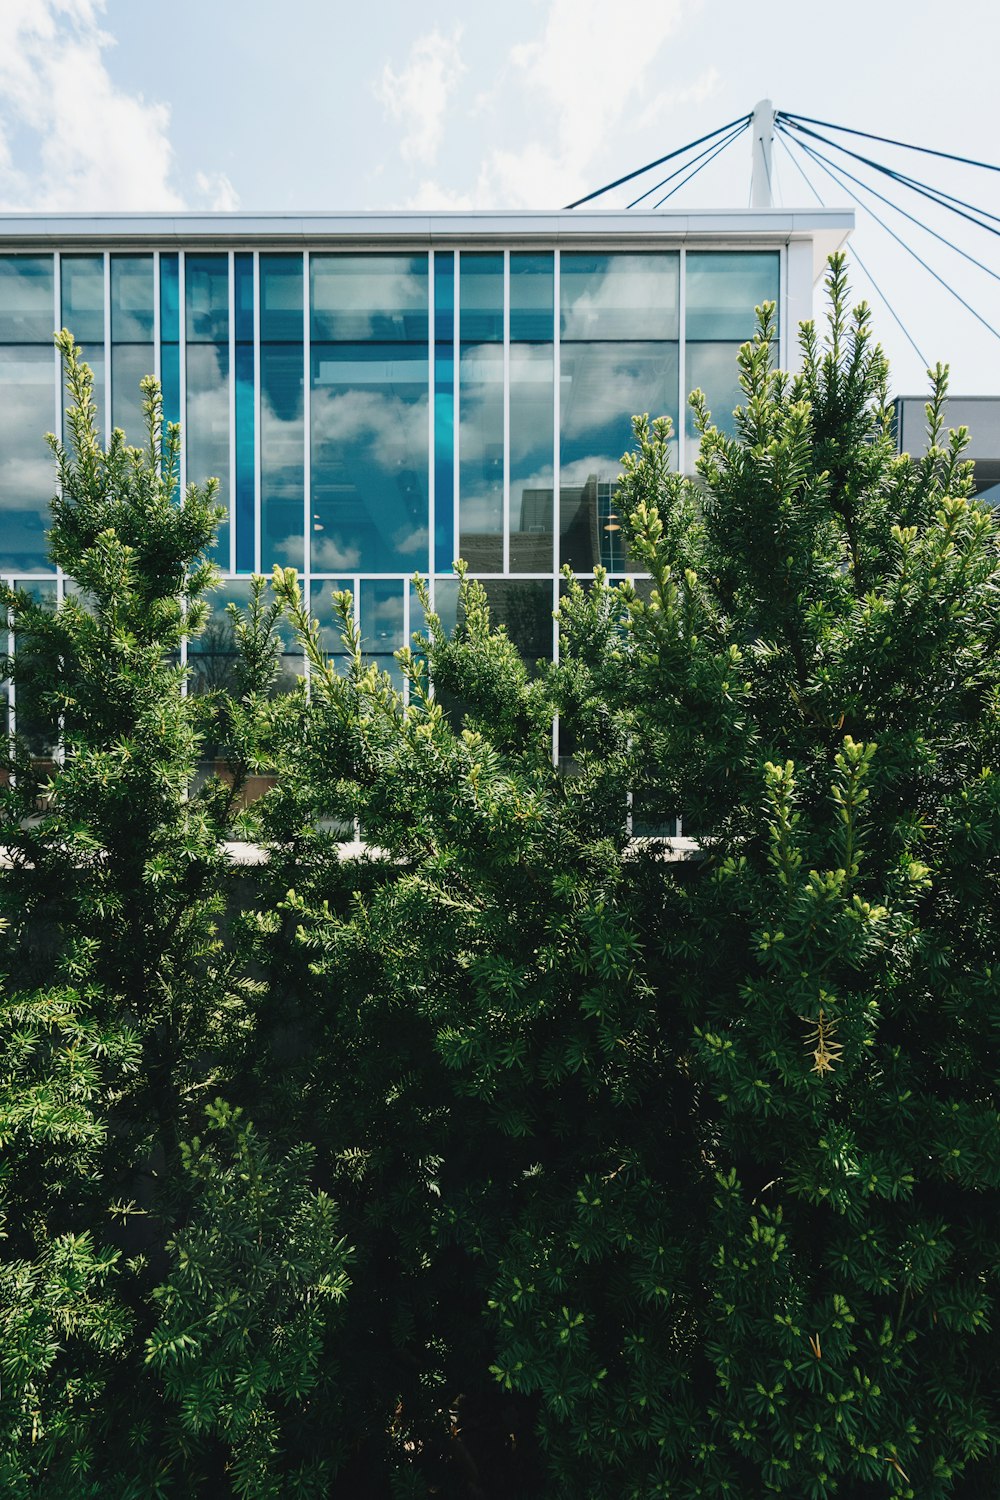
column 826, row 228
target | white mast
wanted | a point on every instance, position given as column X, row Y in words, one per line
column 762, row 136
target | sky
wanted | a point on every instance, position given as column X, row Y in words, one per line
column 321, row 105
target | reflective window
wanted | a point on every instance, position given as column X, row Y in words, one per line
column 27, row 402
column 712, row 368
column 36, row 722
column 206, row 432
column 722, row 290
column 480, row 484
column 170, row 368
column 322, row 607
column 131, row 341
column 619, row 357
column 27, row 391
column 82, row 296
column 602, row 387
column 531, row 413
column 27, row 310
column 523, row 606
column 282, row 422
column 481, row 412
column 444, row 410
column 381, row 620
column 619, row 296
column 245, row 478
column 369, row 504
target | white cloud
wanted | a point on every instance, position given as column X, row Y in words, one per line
column 97, row 147
column 419, row 94
column 588, row 74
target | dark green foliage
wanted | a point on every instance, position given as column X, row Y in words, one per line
column 661, row 1169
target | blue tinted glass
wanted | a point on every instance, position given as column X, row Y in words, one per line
column 619, row 296
column 531, row 457
column 369, row 457
column 170, row 317
column 245, row 459
column 170, row 380
column 444, row 410
column 480, row 479
column 83, row 297
column 381, row 621
column 27, row 310
column 444, row 457
column 712, row 368
column 282, row 432
column 602, row 386
column 206, row 432
column 206, row 297
column 532, row 288
column 369, row 298
column 170, row 368
column 722, row 290
column 281, row 298
column 26, row 478
column 132, row 299
column 132, row 356
column 444, row 296
column 322, row 609
column 480, row 296
column 243, row 285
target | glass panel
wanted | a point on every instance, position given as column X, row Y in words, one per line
column 532, row 283
column 480, row 485
column 481, row 298
column 369, row 457
column 245, row 460
column 206, row 296
column 444, row 411
column 130, row 363
column 602, row 385
column 26, row 300
column 245, row 479
column 82, row 295
column 206, row 435
column 524, row 608
column 724, row 287
column 281, row 298
column 26, row 473
column 712, row 368
column 321, row 605
column 243, row 311
column 170, row 368
column 282, row 425
column 531, row 467
column 369, row 298
column 132, row 299
column 382, row 624
column 619, row 296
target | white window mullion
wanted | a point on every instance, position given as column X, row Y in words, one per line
column 456, row 413
column 682, row 364
column 431, row 449
column 232, row 412
column 506, row 411
column 257, row 483
column 107, row 347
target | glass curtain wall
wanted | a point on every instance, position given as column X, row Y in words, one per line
column 371, row 414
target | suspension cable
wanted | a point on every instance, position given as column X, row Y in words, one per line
column 670, row 156
column 854, row 254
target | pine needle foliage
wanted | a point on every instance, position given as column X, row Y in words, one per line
column 477, row 1146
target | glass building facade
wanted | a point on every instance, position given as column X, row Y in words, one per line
column 379, row 404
